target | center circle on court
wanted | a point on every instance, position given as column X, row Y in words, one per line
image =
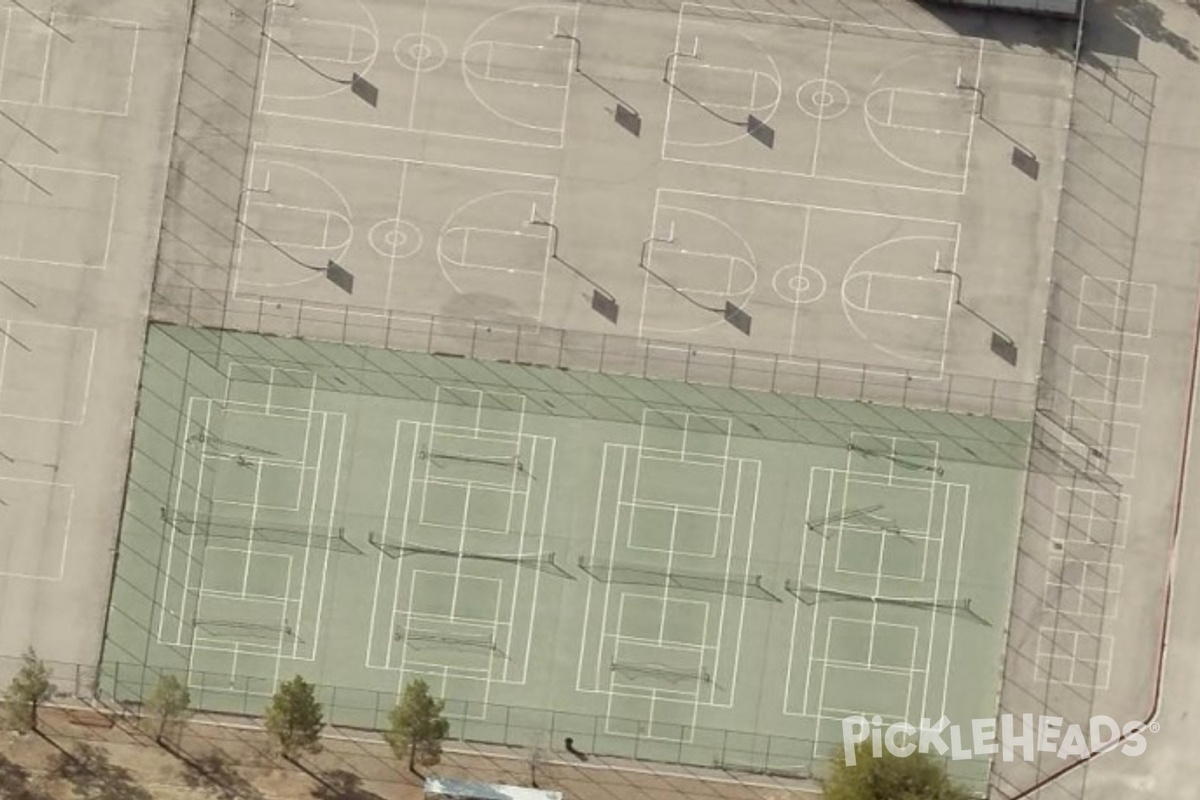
column 797, row 283
column 823, row 98
column 395, row 238
column 420, row 52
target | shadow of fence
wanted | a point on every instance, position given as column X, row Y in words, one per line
column 1073, row 524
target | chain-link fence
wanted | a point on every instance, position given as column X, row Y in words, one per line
column 539, row 345
column 126, row 686
column 1074, row 511
column 70, row 680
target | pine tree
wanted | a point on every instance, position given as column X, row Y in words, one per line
column 295, row 718
column 417, row 726
column 169, row 702
column 30, row 688
column 889, row 777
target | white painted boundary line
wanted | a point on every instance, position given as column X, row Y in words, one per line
column 1048, row 655
column 1110, row 299
column 545, row 186
column 62, row 562
column 32, row 170
column 501, row 629
column 8, row 325
column 1099, row 598
column 410, row 122
column 838, row 480
column 56, row 16
column 1075, row 509
column 181, row 616
column 604, row 639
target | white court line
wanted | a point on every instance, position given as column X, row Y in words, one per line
column 329, row 527
column 113, row 24
column 957, row 582
column 971, row 129
column 820, row 582
column 824, row 670
column 670, row 103
column 562, row 124
column 796, row 306
column 775, row 171
column 66, row 531
column 8, row 13
column 191, row 546
column 612, row 552
column 45, row 64
column 316, row 152
column 791, row 661
column 392, row 128
column 33, row 169
column 187, row 426
column 399, row 215
column 537, row 576
column 250, row 531
column 824, row 81
column 312, row 515
column 707, row 10
column 239, row 245
column 744, row 200
column 403, row 540
column 737, row 653
column 937, row 584
column 283, row 626
column 8, row 327
column 383, row 531
column 587, row 606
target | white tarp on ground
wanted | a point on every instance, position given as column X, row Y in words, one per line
column 476, row 790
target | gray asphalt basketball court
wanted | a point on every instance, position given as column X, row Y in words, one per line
column 841, row 183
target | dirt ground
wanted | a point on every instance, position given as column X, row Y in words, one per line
column 82, row 753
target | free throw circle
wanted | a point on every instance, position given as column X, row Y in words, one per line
column 799, row 284
column 420, row 52
column 823, row 98
column 395, row 238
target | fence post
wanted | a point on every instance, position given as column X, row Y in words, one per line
column 387, row 331
column 299, row 316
